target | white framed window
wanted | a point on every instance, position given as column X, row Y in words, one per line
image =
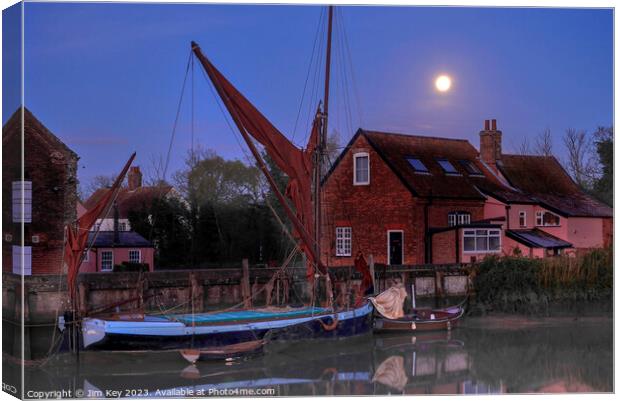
column 547, row 219
column 107, row 261
column 458, row 218
column 22, row 196
column 22, row 265
column 134, row 256
column 343, row 241
column 361, row 169
column 522, row 218
column 85, row 256
column 482, row 240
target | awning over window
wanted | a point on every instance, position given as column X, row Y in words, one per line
column 537, row 239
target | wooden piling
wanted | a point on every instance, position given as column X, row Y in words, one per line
column 246, row 291
column 371, row 266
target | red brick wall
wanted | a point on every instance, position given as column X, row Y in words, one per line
column 370, row 210
column 608, row 232
column 439, row 209
column 52, row 170
column 444, row 247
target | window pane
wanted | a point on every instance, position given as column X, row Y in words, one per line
column 470, row 167
column 493, row 243
column 447, row 166
column 469, row 243
column 451, row 219
column 361, row 169
column 481, row 232
column 481, row 244
column 417, row 165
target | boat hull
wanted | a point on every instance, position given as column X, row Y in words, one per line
column 161, row 335
column 441, row 320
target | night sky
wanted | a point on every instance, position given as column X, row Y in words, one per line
column 106, row 78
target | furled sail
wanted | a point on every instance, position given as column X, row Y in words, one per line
column 296, row 163
column 77, row 233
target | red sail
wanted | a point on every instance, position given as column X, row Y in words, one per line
column 77, row 234
column 294, row 162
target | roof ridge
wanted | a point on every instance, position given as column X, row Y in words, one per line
column 415, row 135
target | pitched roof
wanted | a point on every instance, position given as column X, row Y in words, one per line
column 128, row 200
column 396, row 148
column 548, row 183
column 127, row 239
column 33, row 130
column 537, row 239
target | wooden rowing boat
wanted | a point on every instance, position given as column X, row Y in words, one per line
column 225, row 352
column 421, row 320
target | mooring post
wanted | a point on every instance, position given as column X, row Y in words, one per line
column 83, row 288
column 371, row 266
column 245, row 284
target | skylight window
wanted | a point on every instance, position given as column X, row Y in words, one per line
column 470, row 167
column 417, row 165
column 447, row 166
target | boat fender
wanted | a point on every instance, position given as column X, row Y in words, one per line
column 432, row 316
column 332, row 325
column 413, row 327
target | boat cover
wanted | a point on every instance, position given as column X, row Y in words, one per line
column 390, row 302
column 256, row 314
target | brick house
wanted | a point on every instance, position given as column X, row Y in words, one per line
column 414, row 200
column 134, row 196
column 48, row 192
column 111, row 248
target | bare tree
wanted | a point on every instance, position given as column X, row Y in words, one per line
column 97, row 182
column 543, row 144
column 154, row 174
column 580, row 163
column 524, row 147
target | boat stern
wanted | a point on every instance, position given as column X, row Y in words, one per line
column 93, row 331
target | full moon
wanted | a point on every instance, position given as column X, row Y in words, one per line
column 443, row 83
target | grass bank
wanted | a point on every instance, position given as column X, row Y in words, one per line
column 543, row 286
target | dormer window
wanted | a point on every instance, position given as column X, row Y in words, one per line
column 470, row 167
column 547, row 219
column 417, row 165
column 361, row 169
column 447, row 167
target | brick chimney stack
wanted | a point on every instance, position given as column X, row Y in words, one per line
column 134, row 178
column 490, row 143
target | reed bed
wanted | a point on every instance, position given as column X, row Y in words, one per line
column 524, row 285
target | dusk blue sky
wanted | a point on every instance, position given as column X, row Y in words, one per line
column 106, row 78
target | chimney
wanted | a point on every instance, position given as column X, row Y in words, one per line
column 490, row 143
column 134, row 178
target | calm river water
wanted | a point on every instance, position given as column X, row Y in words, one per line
column 483, row 355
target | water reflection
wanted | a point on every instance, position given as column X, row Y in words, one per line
column 553, row 356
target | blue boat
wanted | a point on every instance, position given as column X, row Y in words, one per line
column 200, row 330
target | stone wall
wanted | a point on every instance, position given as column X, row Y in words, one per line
column 214, row 288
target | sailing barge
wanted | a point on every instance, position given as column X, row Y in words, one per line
column 206, row 330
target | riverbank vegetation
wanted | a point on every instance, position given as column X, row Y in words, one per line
column 524, row 285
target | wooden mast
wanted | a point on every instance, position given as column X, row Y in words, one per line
column 322, row 138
